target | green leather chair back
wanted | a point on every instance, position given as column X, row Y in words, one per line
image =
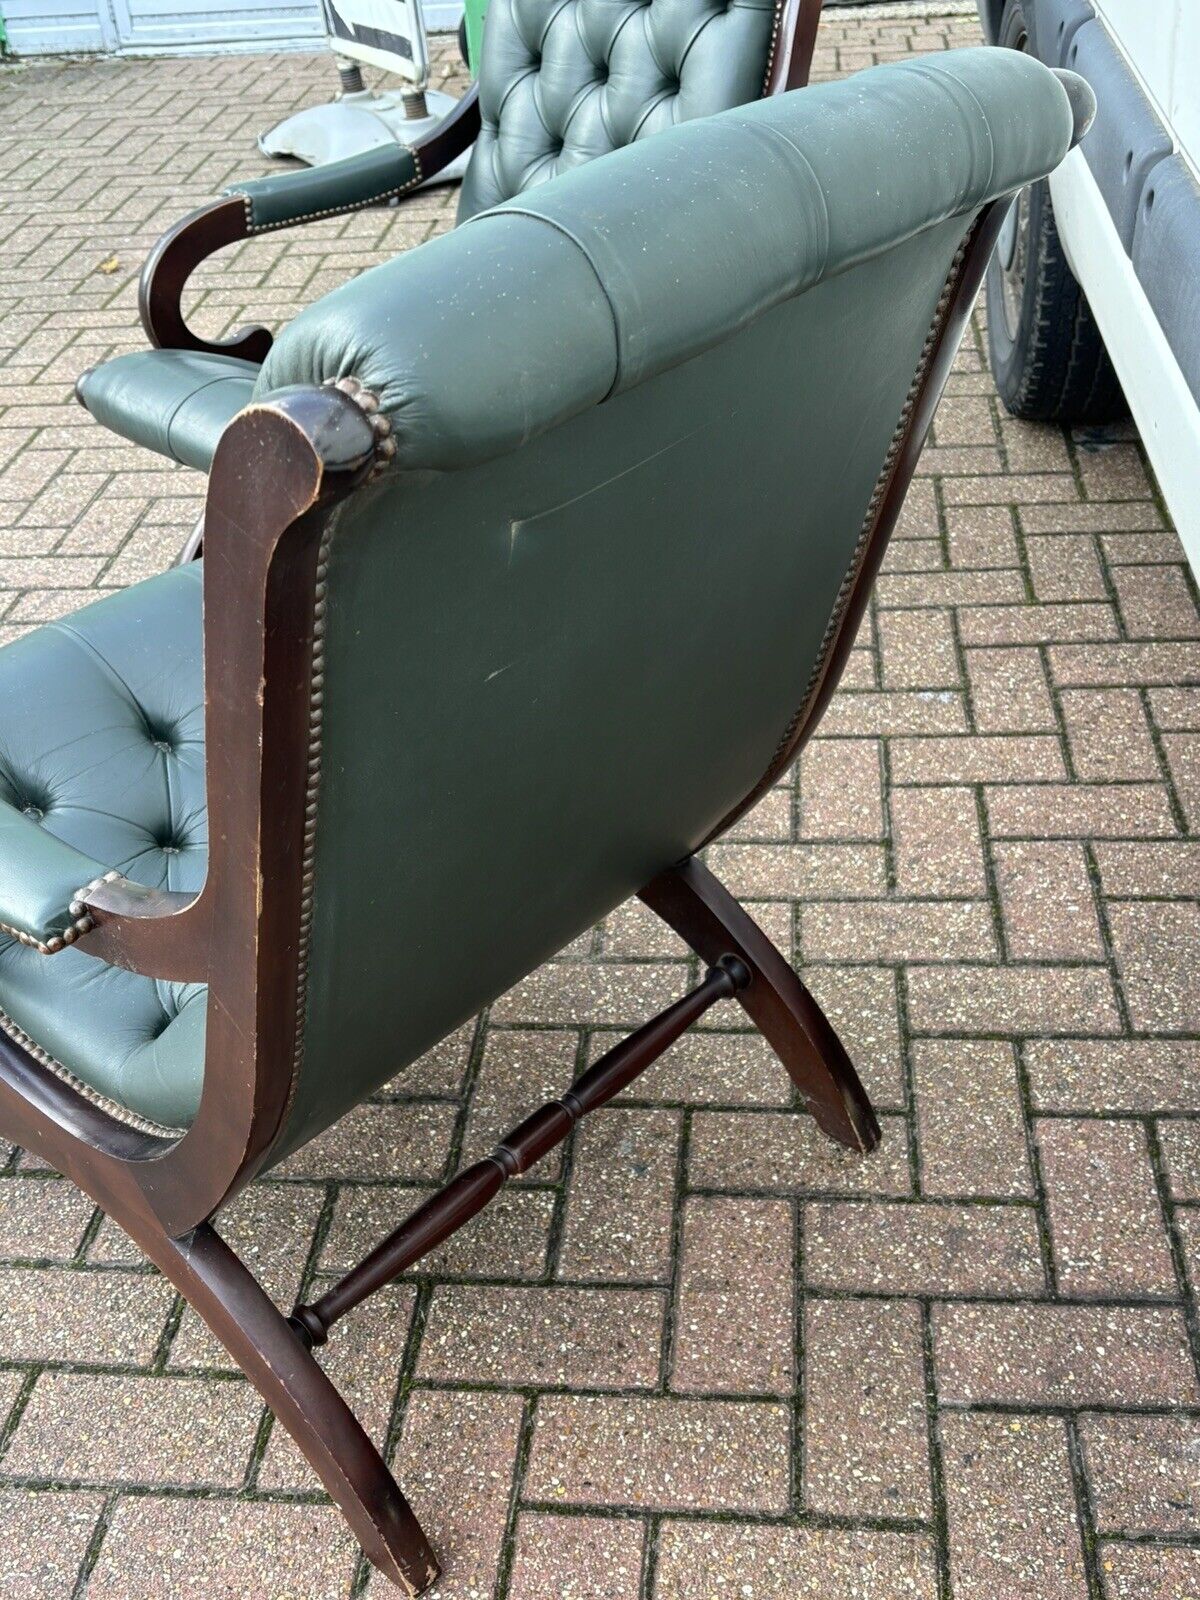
column 561, row 81
column 565, row 633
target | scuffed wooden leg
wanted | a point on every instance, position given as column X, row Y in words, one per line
column 702, row 911
column 230, row 1299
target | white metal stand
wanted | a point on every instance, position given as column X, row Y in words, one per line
column 362, row 120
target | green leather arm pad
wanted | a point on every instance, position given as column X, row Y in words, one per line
column 174, row 401
column 285, row 198
column 40, row 878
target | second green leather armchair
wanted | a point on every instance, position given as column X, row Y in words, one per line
column 559, row 84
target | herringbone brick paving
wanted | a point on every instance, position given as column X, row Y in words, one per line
column 701, row 1355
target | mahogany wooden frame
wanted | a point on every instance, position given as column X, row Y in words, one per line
column 240, row 934
column 224, row 222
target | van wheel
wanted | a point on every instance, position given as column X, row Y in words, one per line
column 1046, row 353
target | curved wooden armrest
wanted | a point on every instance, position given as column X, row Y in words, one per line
column 169, row 266
column 226, row 221
column 159, row 933
column 457, row 130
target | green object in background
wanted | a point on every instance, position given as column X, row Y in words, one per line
column 470, row 33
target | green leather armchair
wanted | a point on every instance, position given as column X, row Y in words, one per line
column 558, row 85
column 489, row 636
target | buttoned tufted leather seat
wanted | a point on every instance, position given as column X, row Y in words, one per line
column 102, row 755
column 564, row 81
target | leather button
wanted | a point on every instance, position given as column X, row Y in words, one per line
column 164, row 744
column 35, row 812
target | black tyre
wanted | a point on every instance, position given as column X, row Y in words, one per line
column 462, row 41
column 1046, row 353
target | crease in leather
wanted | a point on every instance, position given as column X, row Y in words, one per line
column 651, row 49
column 818, row 194
column 530, row 72
column 63, row 627
column 561, row 228
column 553, row 13
column 702, row 24
column 969, row 124
column 173, row 401
column 660, row 99
column 186, row 400
column 626, row 22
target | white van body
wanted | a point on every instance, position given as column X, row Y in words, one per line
column 1139, row 270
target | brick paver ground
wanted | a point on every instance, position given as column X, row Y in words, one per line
column 703, row 1355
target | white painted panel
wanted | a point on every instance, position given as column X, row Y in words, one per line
column 1185, row 90
column 192, row 23
column 1146, row 32
column 49, row 27
column 1163, row 406
column 1161, row 41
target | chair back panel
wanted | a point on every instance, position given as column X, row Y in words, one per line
column 565, row 633
column 563, row 81
column 587, row 654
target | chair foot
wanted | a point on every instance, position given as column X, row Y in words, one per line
column 234, row 1305
column 703, row 912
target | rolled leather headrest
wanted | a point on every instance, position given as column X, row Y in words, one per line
column 630, row 264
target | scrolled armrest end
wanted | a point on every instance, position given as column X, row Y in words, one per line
column 169, row 266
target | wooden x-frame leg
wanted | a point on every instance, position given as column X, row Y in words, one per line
column 703, row 912
column 275, row 1352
